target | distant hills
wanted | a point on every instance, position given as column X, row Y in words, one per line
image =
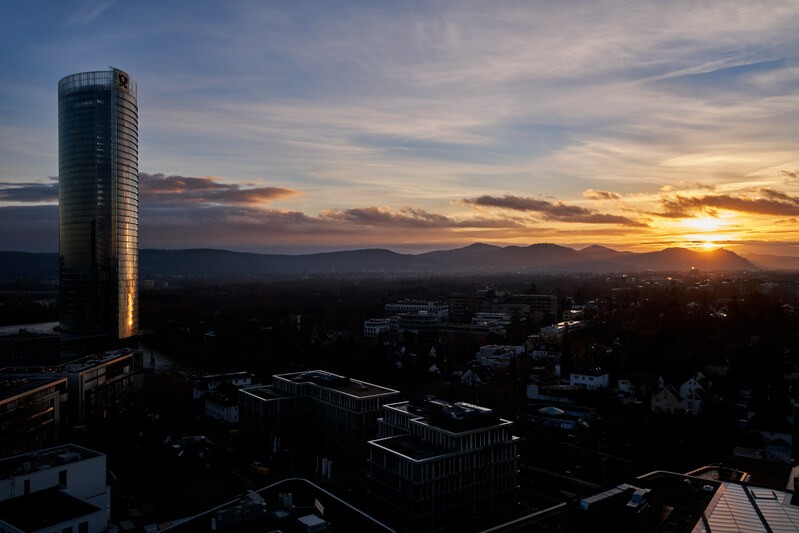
column 476, row 258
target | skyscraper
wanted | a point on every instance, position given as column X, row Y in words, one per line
column 98, row 220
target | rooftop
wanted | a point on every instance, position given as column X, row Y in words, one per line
column 43, row 459
column 95, row 360
column 345, row 385
column 454, row 418
column 265, row 392
column 11, row 387
column 410, row 446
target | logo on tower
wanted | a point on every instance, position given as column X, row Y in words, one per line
column 122, row 80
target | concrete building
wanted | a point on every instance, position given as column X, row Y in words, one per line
column 211, row 382
column 329, row 415
column 222, row 405
column 441, row 310
column 26, row 346
column 32, row 410
column 374, row 327
column 438, row 465
column 417, row 322
column 99, row 384
column 96, row 384
column 56, row 489
column 98, row 216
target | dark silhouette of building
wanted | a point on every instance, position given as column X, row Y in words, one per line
column 441, row 466
column 98, row 205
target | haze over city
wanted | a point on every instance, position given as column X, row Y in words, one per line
column 312, row 126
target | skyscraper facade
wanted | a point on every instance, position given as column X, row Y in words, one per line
column 98, row 218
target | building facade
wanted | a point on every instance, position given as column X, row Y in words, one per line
column 440, row 309
column 98, row 204
column 437, row 465
column 32, row 410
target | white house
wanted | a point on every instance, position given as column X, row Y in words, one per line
column 590, row 378
column 667, row 400
column 695, row 383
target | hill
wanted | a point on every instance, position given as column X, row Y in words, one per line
column 476, row 258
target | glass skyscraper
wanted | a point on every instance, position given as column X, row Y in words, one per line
column 98, row 217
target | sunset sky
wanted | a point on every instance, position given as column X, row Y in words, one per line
column 297, row 126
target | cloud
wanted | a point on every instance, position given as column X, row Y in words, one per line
column 552, row 211
column 411, row 217
column 601, row 195
column 790, row 175
column 158, row 189
column 770, row 202
column 88, row 12
column 29, row 192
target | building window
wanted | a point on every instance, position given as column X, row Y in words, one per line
column 27, row 489
column 62, row 478
column 83, row 527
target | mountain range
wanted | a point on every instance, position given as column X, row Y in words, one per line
column 476, row 258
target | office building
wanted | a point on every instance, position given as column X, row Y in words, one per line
column 98, row 205
column 330, row 415
column 32, row 410
column 440, row 466
column 439, row 309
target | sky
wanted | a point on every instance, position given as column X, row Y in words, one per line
column 300, row 126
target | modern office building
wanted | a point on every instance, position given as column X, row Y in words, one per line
column 439, row 466
column 333, row 416
column 32, row 410
column 440, row 309
column 98, row 204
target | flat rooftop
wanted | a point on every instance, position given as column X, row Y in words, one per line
column 11, row 387
column 454, row 418
column 265, row 392
column 411, row 447
column 43, row 459
column 95, row 360
column 345, row 385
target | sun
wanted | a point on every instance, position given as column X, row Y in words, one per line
column 707, row 232
column 704, row 224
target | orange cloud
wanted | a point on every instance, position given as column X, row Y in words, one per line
column 158, row 189
column 552, row 211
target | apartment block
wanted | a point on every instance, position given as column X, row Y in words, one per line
column 437, row 465
column 55, row 489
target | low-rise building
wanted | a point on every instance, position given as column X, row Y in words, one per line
column 100, row 383
column 417, row 322
column 440, row 309
column 374, row 327
column 590, row 378
column 32, row 411
column 667, row 400
column 438, row 465
column 96, row 384
column 211, row 382
column 56, row 489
